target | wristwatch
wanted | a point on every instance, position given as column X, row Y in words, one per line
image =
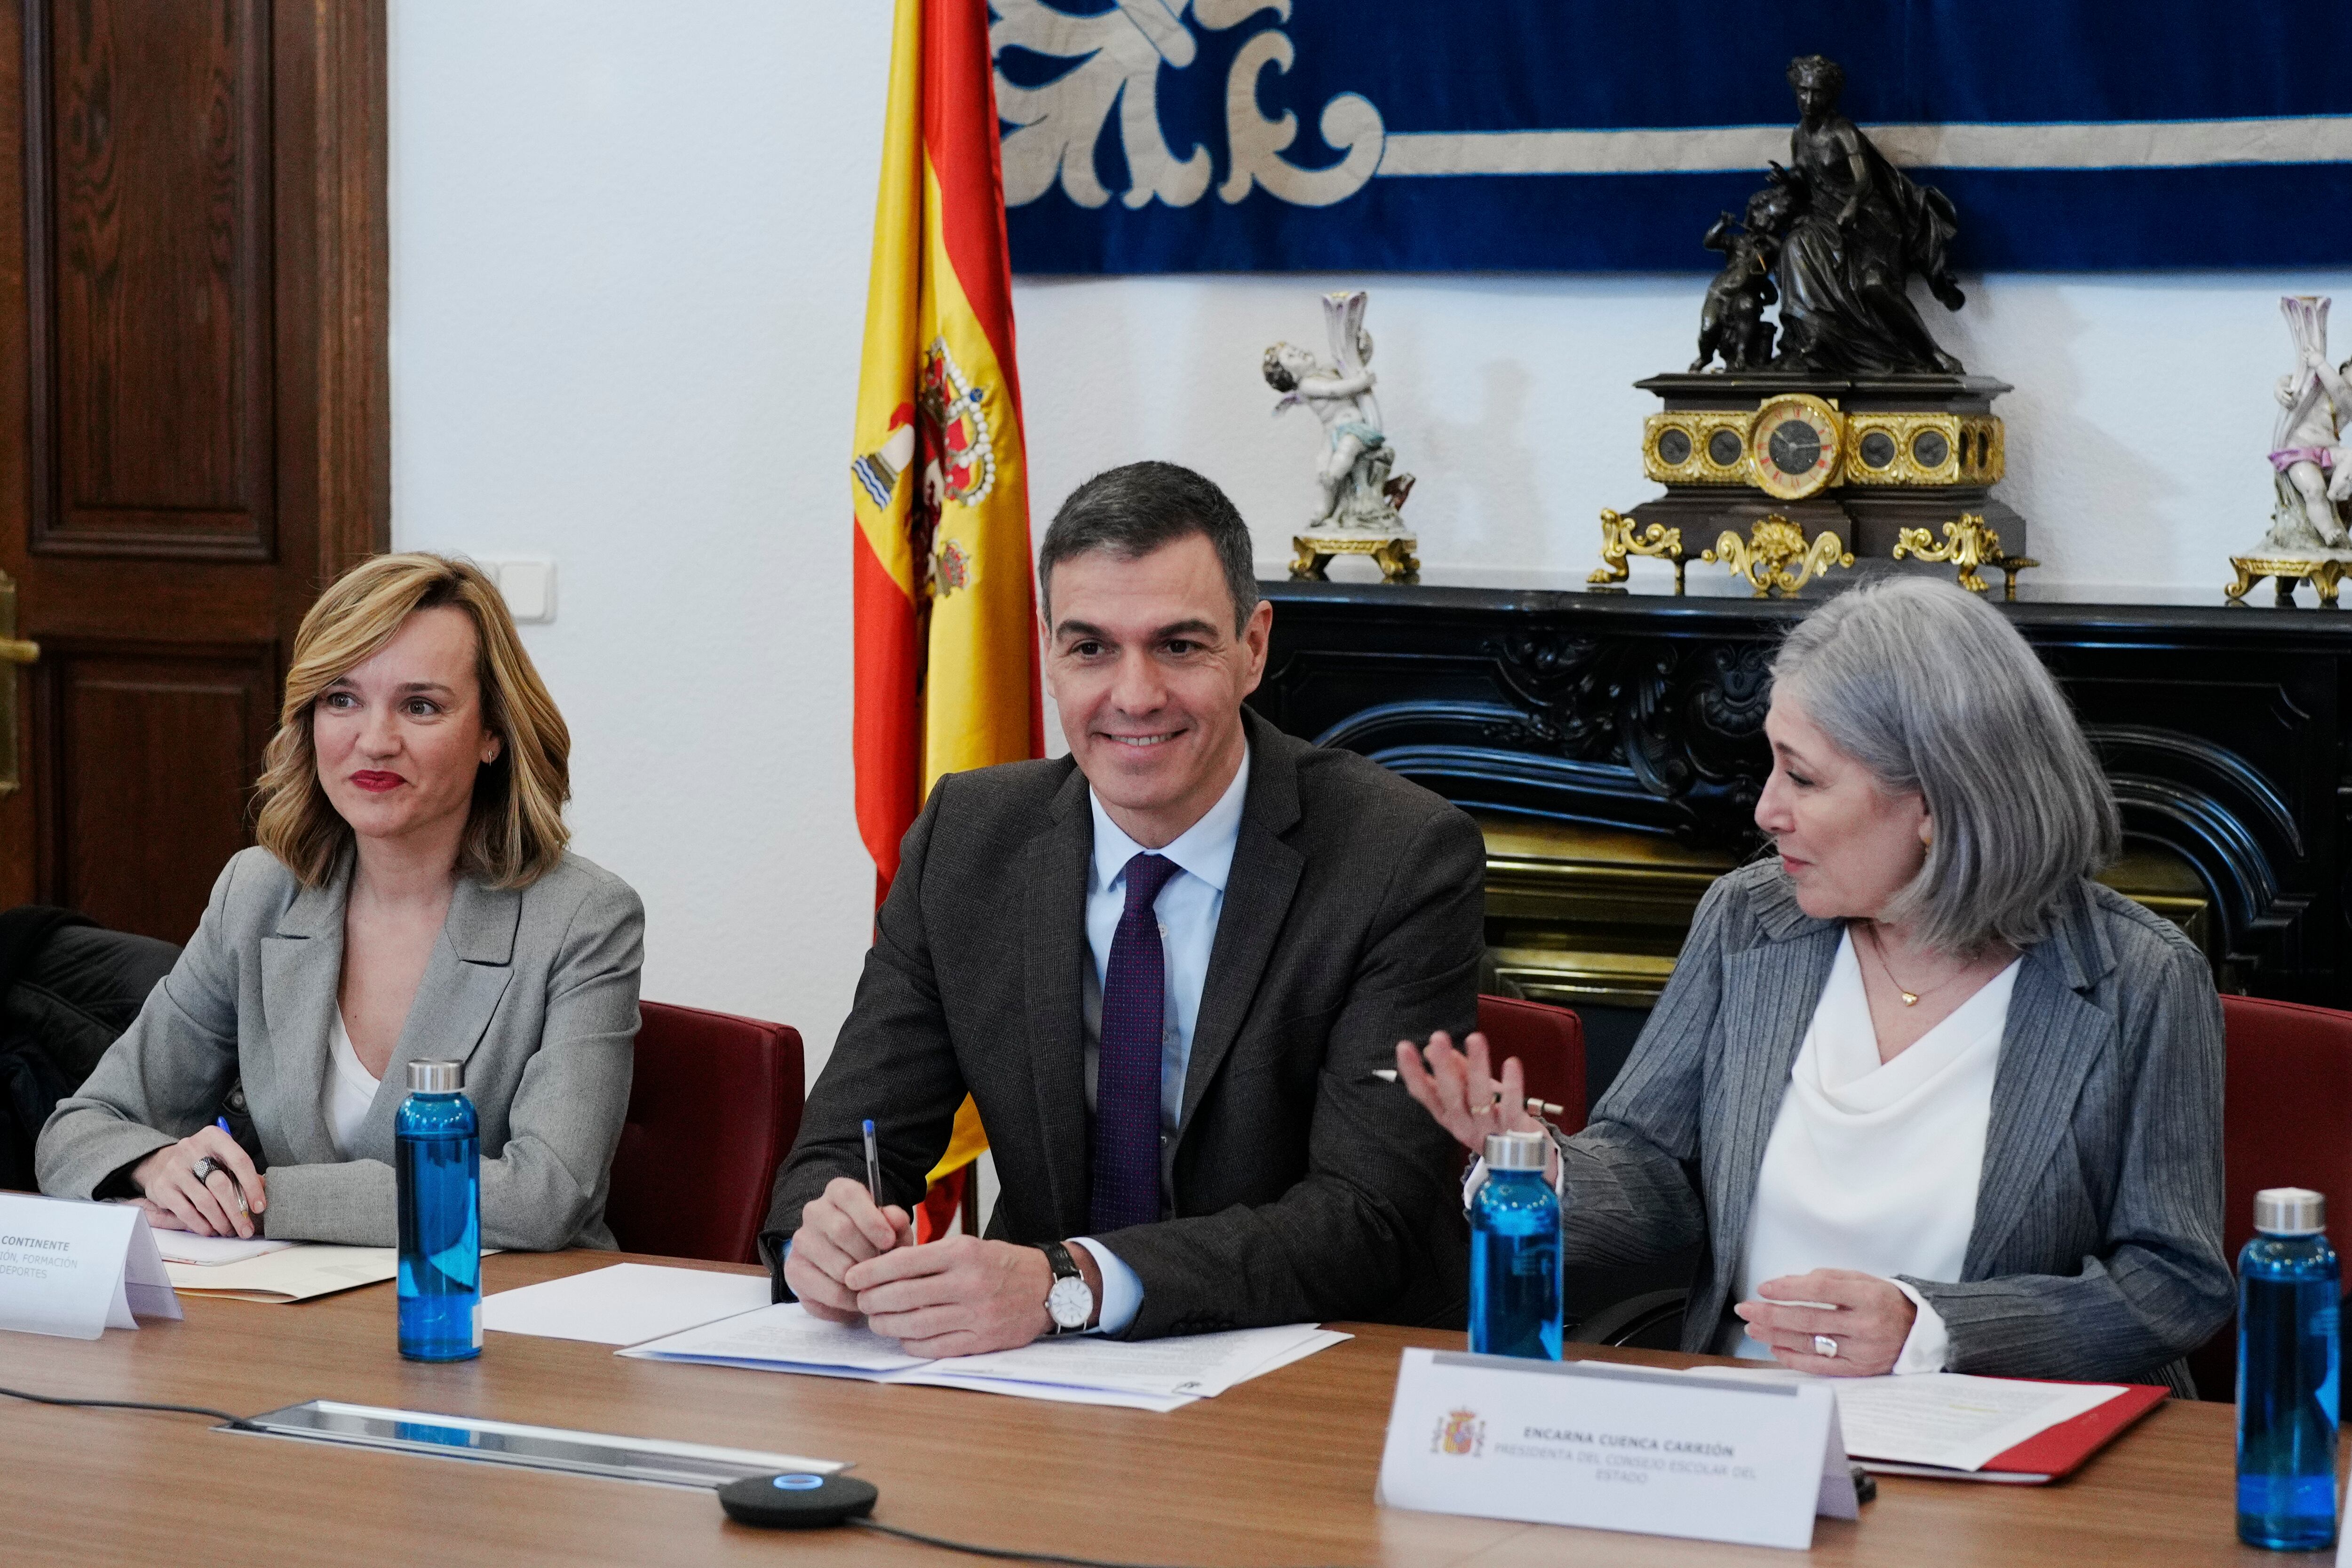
column 1069, row 1303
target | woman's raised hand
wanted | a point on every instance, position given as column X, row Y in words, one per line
column 1460, row 1089
column 221, row 1203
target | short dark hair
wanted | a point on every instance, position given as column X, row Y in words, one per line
column 1134, row 510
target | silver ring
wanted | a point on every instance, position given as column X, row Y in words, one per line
column 1824, row 1346
column 204, row 1168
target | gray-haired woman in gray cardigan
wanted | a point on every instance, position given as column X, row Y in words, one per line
column 1935, row 1100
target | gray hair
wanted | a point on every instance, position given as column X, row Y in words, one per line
column 1931, row 690
column 1134, row 510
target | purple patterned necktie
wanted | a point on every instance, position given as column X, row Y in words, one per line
column 1127, row 1078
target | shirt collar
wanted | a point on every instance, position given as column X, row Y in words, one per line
column 1205, row 848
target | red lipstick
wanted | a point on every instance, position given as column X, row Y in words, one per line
column 377, row 783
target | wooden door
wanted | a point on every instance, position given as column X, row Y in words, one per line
column 193, row 432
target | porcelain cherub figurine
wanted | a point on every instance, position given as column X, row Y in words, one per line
column 1356, row 493
column 2308, row 451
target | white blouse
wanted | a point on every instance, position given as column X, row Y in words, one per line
column 351, row 1089
column 1874, row 1166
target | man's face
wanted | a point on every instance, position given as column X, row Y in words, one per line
column 1144, row 664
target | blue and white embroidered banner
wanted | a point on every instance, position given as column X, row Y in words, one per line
column 1604, row 135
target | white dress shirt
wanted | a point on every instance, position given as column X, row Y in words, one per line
column 1873, row 1166
column 1188, row 906
column 351, row 1089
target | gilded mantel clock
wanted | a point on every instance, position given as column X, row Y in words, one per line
column 1870, row 458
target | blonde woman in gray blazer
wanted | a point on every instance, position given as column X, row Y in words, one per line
column 409, row 898
column 1934, row 1099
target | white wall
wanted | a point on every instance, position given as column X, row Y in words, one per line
column 629, row 246
column 629, row 251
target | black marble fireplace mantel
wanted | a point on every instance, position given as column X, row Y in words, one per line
column 2218, row 726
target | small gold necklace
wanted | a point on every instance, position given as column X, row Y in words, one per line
column 1910, row 997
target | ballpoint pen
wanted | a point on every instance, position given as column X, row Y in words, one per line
column 222, row 1122
column 873, row 1165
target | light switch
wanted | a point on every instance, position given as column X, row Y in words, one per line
column 528, row 587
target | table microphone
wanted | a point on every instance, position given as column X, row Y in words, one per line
column 796, row 1500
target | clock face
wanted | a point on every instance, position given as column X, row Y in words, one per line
column 1798, row 443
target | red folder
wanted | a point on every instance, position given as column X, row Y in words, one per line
column 2055, row 1453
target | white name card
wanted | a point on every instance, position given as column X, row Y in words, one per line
column 79, row 1269
column 1611, row 1447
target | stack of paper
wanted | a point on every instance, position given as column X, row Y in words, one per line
column 624, row 1304
column 1983, row 1428
column 1151, row 1374
column 185, row 1247
column 285, row 1271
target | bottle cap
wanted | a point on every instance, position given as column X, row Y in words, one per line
column 1516, row 1151
column 2290, row 1211
column 436, row 1077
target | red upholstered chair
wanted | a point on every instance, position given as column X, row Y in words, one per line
column 2286, row 1120
column 714, row 1108
column 1549, row 1042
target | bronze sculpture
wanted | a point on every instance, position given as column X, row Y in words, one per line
column 1732, row 319
column 1863, row 229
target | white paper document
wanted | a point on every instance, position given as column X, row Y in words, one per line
column 625, row 1303
column 1954, row 1420
column 1151, row 1374
column 78, row 1268
column 187, row 1247
column 1949, row 1419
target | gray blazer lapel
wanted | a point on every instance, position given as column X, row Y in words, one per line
column 1258, row 890
column 463, row 983
column 2048, row 1045
column 1769, row 993
column 301, row 970
column 1053, row 953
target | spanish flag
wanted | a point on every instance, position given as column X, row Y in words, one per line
column 946, row 642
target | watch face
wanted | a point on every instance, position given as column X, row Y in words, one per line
column 1723, row 448
column 1929, row 449
column 1069, row 1303
column 1878, row 449
column 1673, row 447
column 1796, row 447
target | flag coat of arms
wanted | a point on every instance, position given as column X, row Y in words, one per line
column 946, row 649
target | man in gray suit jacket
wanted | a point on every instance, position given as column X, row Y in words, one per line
column 1167, row 968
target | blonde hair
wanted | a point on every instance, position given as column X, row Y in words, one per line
column 515, row 834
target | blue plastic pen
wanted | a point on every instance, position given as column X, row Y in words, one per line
column 222, row 1122
column 873, row 1165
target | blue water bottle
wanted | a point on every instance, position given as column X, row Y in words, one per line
column 2289, row 1367
column 437, row 1161
column 1515, row 1283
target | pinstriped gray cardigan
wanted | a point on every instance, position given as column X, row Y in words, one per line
column 2096, row 1251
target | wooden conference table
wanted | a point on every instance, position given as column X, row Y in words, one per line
column 1278, row 1471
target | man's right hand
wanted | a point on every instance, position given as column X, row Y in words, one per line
column 837, row 1232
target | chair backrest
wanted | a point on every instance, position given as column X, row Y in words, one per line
column 1549, row 1042
column 713, row 1110
column 2286, row 1120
